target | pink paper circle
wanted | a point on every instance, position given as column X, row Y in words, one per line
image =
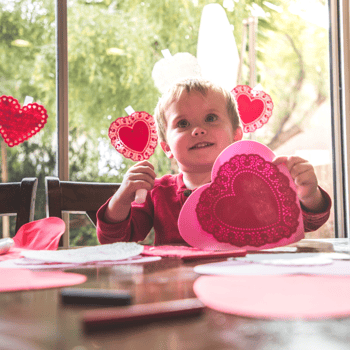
column 190, row 227
column 282, row 297
column 22, row 279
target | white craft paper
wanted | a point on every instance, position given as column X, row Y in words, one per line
column 235, row 267
column 105, row 252
column 24, row 263
column 301, row 259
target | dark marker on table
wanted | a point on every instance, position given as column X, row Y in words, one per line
column 86, row 296
column 106, row 319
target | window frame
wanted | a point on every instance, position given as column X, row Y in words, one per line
column 339, row 38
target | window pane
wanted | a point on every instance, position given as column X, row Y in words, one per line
column 113, row 47
column 27, row 56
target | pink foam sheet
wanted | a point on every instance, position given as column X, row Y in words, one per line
column 250, row 203
column 276, row 297
column 189, row 253
column 41, row 234
column 23, row 279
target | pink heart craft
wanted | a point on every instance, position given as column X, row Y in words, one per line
column 250, row 203
column 254, row 107
column 19, row 124
column 134, row 136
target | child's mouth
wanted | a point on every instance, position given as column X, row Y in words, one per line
column 202, row 145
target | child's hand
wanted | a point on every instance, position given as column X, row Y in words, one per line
column 139, row 176
column 305, row 179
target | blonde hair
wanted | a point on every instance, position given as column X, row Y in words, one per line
column 192, row 85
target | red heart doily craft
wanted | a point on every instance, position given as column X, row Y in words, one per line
column 19, row 124
column 250, row 203
column 254, row 107
column 134, row 136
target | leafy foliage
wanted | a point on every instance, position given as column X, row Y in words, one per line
column 113, row 46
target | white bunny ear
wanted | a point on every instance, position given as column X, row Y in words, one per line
column 216, row 49
column 168, row 70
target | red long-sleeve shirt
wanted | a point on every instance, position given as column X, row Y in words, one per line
column 161, row 210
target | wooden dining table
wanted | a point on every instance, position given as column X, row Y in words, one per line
column 37, row 319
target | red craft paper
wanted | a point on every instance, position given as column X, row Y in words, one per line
column 254, row 107
column 42, row 234
column 19, row 124
column 276, row 297
column 189, row 253
column 250, row 203
column 134, row 136
column 22, row 279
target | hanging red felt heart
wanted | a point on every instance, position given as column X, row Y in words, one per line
column 250, row 203
column 134, row 136
column 19, row 124
column 254, row 107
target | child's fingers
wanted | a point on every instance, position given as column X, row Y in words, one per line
column 305, row 178
column 143, row 163
column 301, row 168
column 141, row 177
column 279, row 160
column 142, row 168
column 290, row 162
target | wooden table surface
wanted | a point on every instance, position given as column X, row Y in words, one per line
column 37, row 320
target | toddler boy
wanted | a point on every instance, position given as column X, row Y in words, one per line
column 196, row 121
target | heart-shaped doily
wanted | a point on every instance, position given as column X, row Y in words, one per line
column 250, row 203
column 19, row 124
column 254, row 107
column 134, row 136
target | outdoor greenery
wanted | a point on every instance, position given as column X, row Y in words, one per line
column 113, row 46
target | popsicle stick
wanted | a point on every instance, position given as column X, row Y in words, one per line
column 140, row 196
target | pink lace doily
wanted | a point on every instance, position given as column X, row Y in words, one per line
column 19, row 124
column 252, row 202
column 134, row 136
column 254, row 107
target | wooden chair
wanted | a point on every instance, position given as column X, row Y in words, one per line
column 18, row 198
column 76, row 197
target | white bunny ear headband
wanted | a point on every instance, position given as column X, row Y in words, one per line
column 218, row 61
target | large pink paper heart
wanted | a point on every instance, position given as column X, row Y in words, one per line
column 250, row 203
column 254, row 107
column 19, row 124
column 134, row 136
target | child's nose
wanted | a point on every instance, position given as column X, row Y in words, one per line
column 198, row 131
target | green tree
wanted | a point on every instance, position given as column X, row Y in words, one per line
column 113, row 46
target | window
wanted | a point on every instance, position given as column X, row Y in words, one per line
column 106, row 57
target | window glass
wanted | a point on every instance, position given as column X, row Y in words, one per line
column 112, row 49
column 28, row 56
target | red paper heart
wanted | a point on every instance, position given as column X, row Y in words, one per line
column 252, row 200
column 247, row 186
column 134, row 136
column 254, row 107
column 19, row 124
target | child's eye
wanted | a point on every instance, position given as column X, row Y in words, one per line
column 182, row 123
column 211, row 118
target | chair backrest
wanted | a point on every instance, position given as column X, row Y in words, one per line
column 76, row 197
column 18, row 198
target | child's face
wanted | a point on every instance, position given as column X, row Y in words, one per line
column 198, row 129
